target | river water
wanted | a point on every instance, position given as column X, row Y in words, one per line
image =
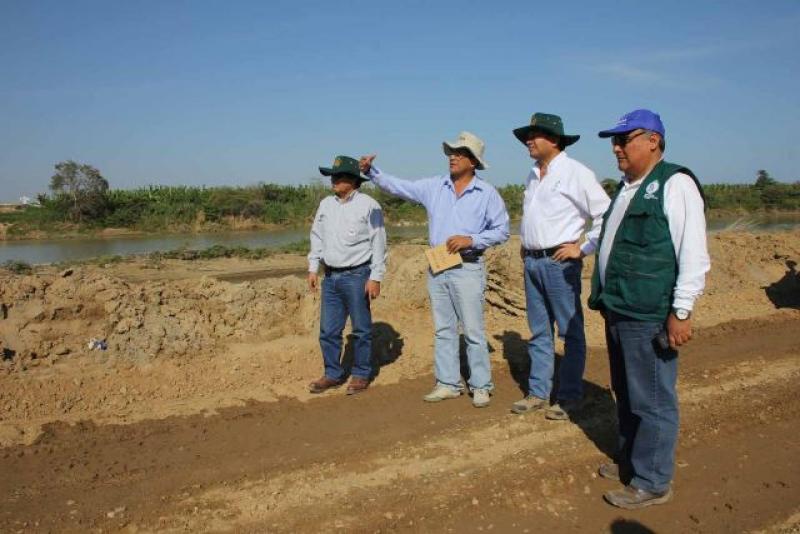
column 59, row 250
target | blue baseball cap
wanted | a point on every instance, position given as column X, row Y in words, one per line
column 638, row 118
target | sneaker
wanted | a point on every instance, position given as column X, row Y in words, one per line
column 441, row 393
column 480, row 398
column 531, row 403
column 609, row 471
column 632, row 498
column 324, row 384
column 562, row 410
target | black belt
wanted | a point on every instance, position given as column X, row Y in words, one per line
column 329, row 270
column 541, row 253
column 471, row 256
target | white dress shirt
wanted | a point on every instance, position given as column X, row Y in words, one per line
column 348, row 232
column 557, row 206
column 683, row 207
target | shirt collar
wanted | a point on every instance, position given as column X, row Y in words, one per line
column 348, row 198
column 645, row 175
column 475, row 183
column 553, row 165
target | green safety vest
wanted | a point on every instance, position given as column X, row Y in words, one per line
column 642, row 267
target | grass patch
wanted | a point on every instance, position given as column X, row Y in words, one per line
column 17, row 267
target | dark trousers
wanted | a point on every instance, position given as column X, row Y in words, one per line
column 643, row 377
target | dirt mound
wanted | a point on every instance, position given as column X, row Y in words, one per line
column 187, row 342
column 50, row 316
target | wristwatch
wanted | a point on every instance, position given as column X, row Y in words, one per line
column 681, row 314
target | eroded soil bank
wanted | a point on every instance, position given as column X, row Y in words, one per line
column 196, row 417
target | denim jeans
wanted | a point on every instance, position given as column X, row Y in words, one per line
column 553, row 296
column 643, row 377
column 457, row 296
column 342, row 295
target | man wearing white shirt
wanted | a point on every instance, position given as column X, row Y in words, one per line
column 348, row 238
column 650, row 269
column 561, row 197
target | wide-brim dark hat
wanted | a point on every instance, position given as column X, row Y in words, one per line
column 547, row 123
column 344, row 165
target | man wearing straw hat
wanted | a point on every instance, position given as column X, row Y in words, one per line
column 466, row 214
column 561, row 197
column 349, row 240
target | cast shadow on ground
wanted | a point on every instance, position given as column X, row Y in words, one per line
column 597, row 419
column 387, row 346
column 462, row 357
column 628, row 526
column 785, row 293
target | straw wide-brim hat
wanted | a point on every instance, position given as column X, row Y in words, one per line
column 471, row 142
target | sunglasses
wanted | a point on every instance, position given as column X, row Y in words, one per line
column 622, row 140
column 460, row 153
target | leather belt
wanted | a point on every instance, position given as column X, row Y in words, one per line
column 471, row 256
column 541, row 253
column 329, row 270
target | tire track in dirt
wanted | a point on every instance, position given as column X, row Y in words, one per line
column 288, row 496
column 384, row 459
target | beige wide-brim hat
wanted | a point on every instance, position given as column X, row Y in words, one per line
column 471, row 142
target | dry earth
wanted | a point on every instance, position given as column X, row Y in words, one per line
column 196, row 417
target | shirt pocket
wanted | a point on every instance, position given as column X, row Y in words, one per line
column 641, row 227
column 635, row 224
column 356, row 230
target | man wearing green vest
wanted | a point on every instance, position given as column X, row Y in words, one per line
column 650, row 269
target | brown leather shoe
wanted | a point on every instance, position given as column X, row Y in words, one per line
column 324, row 384
column 357, row 385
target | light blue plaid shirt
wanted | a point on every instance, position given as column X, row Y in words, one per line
column 479, row 212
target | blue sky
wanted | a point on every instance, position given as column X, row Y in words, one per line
column 208, row 93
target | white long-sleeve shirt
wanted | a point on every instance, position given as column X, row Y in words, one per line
column 557, row 206
column 348, row 232
column 683, row 207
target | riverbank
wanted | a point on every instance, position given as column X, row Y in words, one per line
column 718, row 219
column 195, row 414
column 117, row 246
column 67, row 231
column 174, row 318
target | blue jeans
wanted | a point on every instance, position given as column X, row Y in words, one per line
column 553, row 296
column 643, row 377
column 342, row 295
column 457, row 296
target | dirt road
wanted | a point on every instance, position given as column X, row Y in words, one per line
column 385, row 461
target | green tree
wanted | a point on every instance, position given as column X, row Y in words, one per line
column 610, row 186
column 83, row 187
column 763, row 179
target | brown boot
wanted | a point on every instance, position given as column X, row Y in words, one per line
column 357, row 385
column 323, row 384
